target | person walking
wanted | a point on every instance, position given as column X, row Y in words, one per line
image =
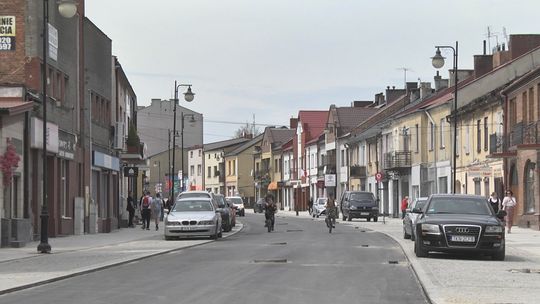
column 495, row 202
column 310, row 205
column 130, row 209
column 404, row 205
column 145, row 210
column 157, row 204
column 509, row 204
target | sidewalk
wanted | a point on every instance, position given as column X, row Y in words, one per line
column 447, row 279
column 22, row 268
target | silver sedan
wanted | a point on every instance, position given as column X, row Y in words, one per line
column 193, row 217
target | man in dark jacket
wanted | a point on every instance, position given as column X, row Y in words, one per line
column 130, row 209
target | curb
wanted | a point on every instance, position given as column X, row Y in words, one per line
column 96, row 269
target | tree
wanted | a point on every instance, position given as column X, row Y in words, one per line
column 133, row 139
column 247, row 131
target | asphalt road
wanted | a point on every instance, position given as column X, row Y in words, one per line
column 300, row 262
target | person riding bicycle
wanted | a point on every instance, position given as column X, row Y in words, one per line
column 330, row 206
column 269, row 207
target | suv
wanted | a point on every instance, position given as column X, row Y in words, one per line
column 359, row 204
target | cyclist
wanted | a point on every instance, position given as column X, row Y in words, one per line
column 330, row 206
column 269, row 209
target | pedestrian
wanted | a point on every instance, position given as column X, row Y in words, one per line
column 145, row 210
column 404, row 206
column 130, row 209
column 157, row 204
column 495, row 202
column 310, row 205
column 509, row 204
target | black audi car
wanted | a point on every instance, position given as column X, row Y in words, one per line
column 459, row 223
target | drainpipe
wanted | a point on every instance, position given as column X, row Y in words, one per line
column 434, row 145
column 505, row 144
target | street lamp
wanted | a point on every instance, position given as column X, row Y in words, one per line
column 188, row 96
column 158, row 164
column 438, row 62
column 67, row 8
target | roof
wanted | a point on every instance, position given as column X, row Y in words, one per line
column 280, row 136
column 14, row 106
column 246, row 145
column 349, row 117
column 313, row 122
column 224, row 144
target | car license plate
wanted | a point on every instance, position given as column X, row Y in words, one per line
column 364, row 213
column 188, row 228
column 462, row 238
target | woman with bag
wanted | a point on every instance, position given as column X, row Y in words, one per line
column 509, row 204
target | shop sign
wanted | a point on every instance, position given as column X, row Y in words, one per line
column 36, row 135
column 66, row 145
column 330, row 180
column 131, row 171
column 7, row 33
column 105, row 161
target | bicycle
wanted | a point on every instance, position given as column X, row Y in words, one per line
column 270, row 219
column 330, row 219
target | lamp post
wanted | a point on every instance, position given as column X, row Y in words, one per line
column 438, row 62
column 188, row 96
column 158, row 164
column 67, row 9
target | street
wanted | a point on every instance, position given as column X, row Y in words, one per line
column 298, row 263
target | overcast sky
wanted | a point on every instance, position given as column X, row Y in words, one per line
column 272, row 58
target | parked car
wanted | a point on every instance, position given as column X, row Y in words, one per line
column 318, row 207
column 459, row 223
column 191, row 194
column 225, row 211
column 410, row 217
column 193, row 217
column 259, row 206
column 238, row 205
column 233, row 212
column 359, row 204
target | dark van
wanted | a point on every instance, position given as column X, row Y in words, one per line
column 359, row 204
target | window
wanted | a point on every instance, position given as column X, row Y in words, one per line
column 458, row 143
column 417, row 138
column 478, row 136
column 64, row 187
column 443, row 184
column 200, row 152
column 369, row 153
column 531, row 104
column 486, row 134
column 234, row 167
column 216, row 172
column 286, row 167
column 192, row 170
column 199, row 170
column 524, row 107
column 276, row 167
column 190, row 154
column 362, row 155
column 431, row 136
column 512, row 114
column 441, row 132
column 209, row 173
column 209, row 156
column 477, row 187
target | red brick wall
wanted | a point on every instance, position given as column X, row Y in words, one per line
column 12, row 63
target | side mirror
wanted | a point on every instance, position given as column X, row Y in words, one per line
column 417, row 210
column 501, row 214
column 221, row 206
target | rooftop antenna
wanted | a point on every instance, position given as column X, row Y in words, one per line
column 492, row 34
column 505, row 35
column 404, row 69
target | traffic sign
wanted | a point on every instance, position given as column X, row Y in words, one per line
column 378, row 176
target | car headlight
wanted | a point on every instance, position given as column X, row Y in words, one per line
column 172, row 223
column 352, row 207
column 494, row 229
column 430, row 229
column 206, row 223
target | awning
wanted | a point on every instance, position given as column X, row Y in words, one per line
column 14, row 106
column 272, row 186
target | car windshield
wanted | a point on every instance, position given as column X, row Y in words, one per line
column 192, row 206
column 236, row 200
column 361, row 196
column 321, row 201
column 220, row 200
column 420, row 204
column 458, row 205
column 192, row 195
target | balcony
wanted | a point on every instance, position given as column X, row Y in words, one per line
column 397, row 160
column 358, row 171
column 326, row 169
column 524, row 134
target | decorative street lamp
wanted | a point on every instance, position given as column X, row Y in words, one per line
column 438, row 62
column 67, row 8
column 188, row 96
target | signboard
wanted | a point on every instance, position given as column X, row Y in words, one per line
column 330, row 180
column 105, row 161
column 131, row 171
column 7, row 33
column 36, row 135
column 378, row 176
column 66, row 145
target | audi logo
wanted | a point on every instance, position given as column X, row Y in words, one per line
column 462, row 230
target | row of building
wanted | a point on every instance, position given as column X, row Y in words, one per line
column 401, row 143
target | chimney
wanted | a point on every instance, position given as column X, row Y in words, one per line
column 483, row 64
column 361, row 103
column 293, row 123
column 425, row 89
column 439, row 82
column 392, row 94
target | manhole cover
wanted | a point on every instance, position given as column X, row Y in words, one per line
column 271, row 261
column 365, row 245
column 525, row 270
column 294, row 230
column 281, row 243
column 393, row 262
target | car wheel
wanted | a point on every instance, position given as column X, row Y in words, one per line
column 349, row 218
column 220, row 234
column 499, row 256
column 375, row 219
column 368, row 219
column 317, row 216
column 168, row 238
column 405, row 234
column 419, row 250
column 215, row 235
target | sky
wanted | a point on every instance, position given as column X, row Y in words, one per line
column 265, row 60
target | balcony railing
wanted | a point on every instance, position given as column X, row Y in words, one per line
column 525, row 134
column 358, row 171
column 397, row 159
column 497, row 144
